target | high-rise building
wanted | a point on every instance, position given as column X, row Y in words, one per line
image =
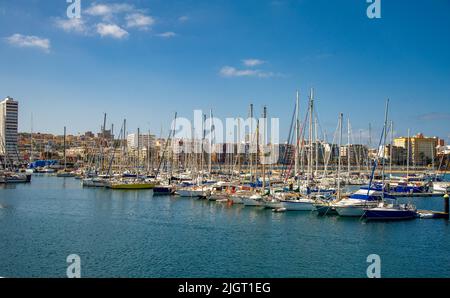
column 397, row 155
column 9, row 116
column 144, row 140
column 422, row 150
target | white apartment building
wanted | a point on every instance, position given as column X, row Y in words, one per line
column 144, row 140
column 9, row 116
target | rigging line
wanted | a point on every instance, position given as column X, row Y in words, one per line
column 288, row 148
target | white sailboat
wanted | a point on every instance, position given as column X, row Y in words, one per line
column 355, row 205
column 254, row 200
column 366, row 197
column 198, row 191
column 295, row 202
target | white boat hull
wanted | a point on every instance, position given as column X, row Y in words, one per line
column 299, row 205
column 441, row 187
column 274, row 205
column 93, row 183
column 236, row 200
column 191, row 193
column 218, row 197
column 350, row 211
column 252, row 202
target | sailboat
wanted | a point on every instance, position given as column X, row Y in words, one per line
column 131, row 184
column 253, row 198
column 366, row 197
column 391, row 211
column 93, row 182
column 388, row 208
column 295, row 201
column 135, row 182
column 64, row 173
column 357, row 203
column 323, row 206
column 196, row 191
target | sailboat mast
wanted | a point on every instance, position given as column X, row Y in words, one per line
column 138, row 151
column 210, row 144
column 251, row 143
column 384, row 144
column 369, row 146
column 263, row 155
column 31, row 140
column 239, row 146
column 64, row 153
column 360, row 152
column 297, row 129
column 124, row 144
column 311, row 109
column 339, row 156
column 408, row 153
column 202, row 155
column 316, row 146
column 391, row 150
column 148, row 153
column 258, row 155
column 348, row 147
column 432, row 156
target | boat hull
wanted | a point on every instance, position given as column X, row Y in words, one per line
column 350, row 211
column 273, row 205
column 323, row 209
column 93, row 183
column 191, row 193
column 441, row 187
column 218, row 197
column 163, row 191
column 383, row 214
column 236, row 200
column 252, row 202
column 65, row 175
column 132, row 186
column 298, row 205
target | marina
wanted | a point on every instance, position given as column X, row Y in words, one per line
column 133, row 233
column 269, row 139
column 187, row 209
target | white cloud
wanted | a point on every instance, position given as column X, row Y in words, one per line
column 139, row 20
column 25, row 41
column 252, row 62
column 111, row 30
column 229, row 72
column 104, row 10
column 71, row 25
column 115, row 20
column 183, row 19
column 168, row 34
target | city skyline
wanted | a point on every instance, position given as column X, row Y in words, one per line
column 224, row 55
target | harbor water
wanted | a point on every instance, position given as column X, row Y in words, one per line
column 133, row 234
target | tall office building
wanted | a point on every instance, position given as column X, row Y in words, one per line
column 9, row 116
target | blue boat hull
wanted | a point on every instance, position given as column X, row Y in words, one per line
column 390, row 214
column 161, row 191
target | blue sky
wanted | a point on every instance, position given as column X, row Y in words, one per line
column 145, row 60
